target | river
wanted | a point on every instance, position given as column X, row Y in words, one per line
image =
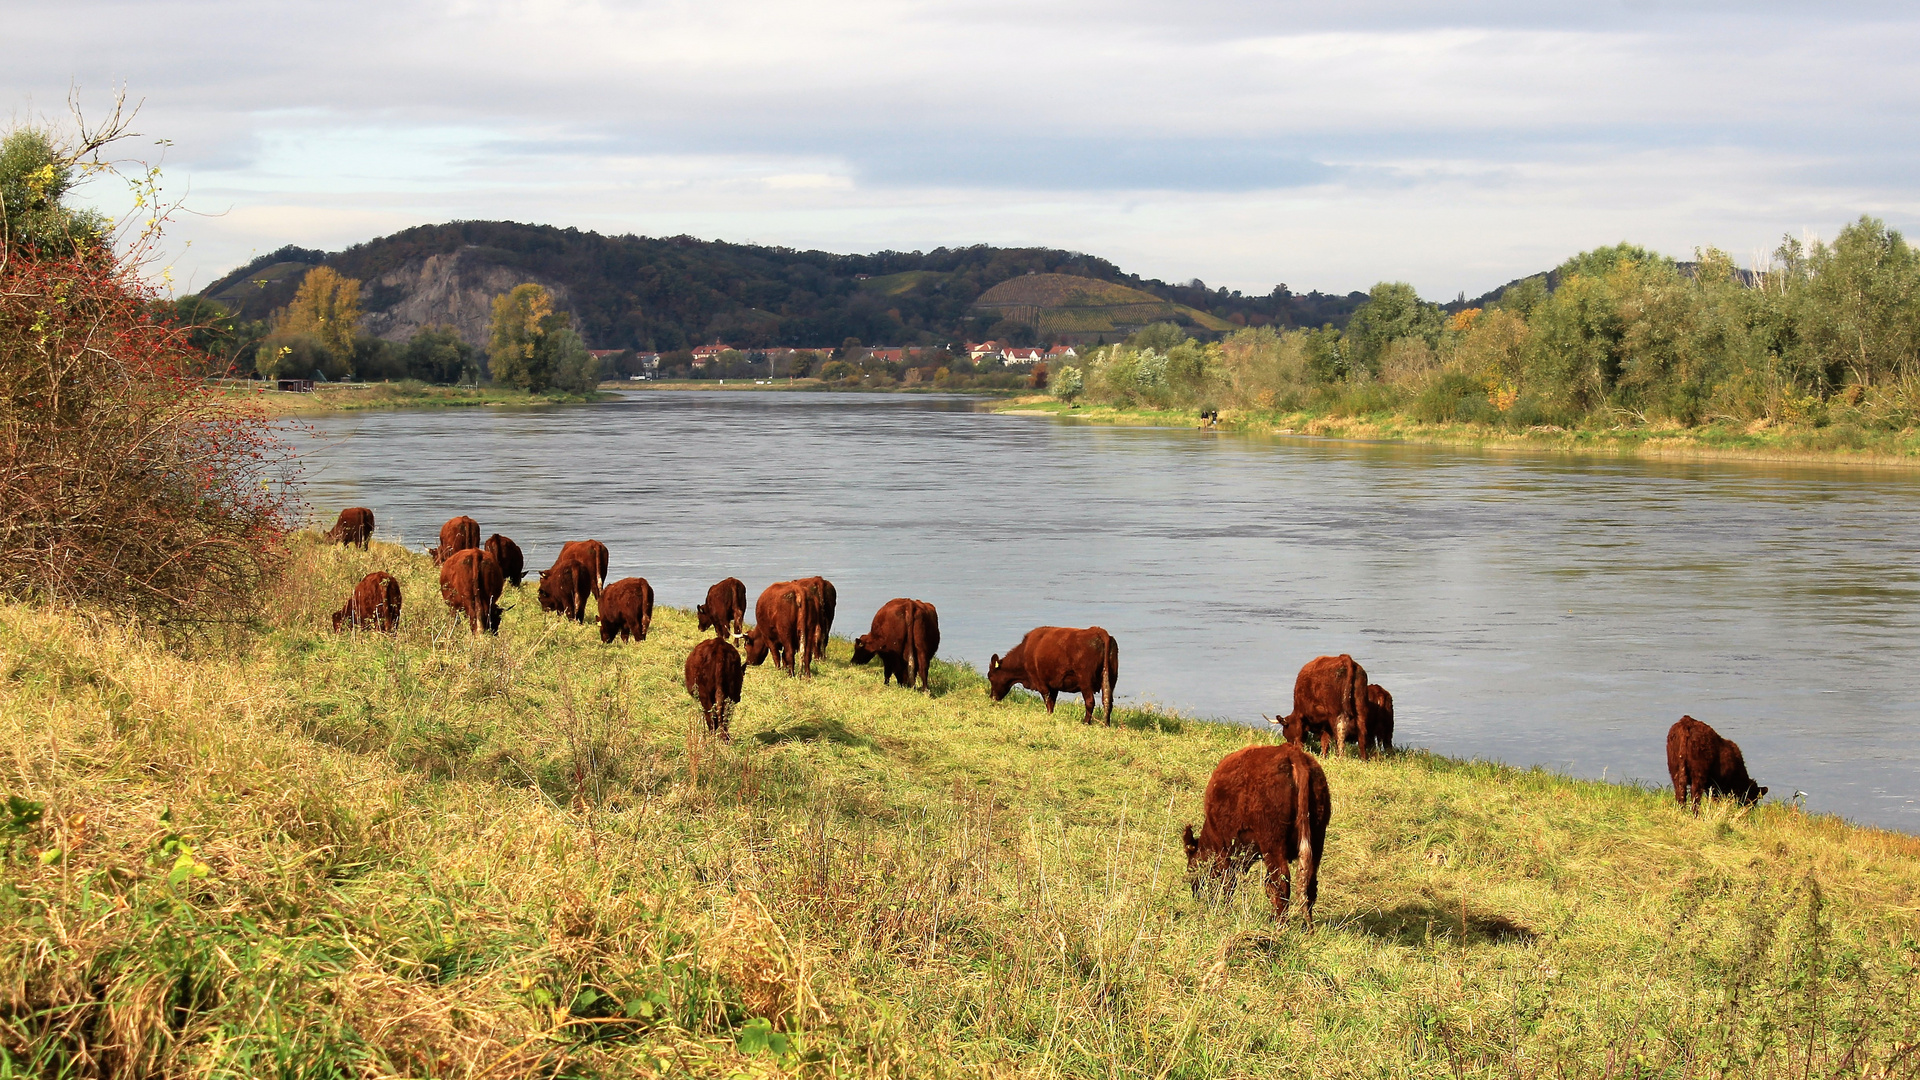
column 1533, row 609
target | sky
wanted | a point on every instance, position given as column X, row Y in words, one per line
column 1247, row 143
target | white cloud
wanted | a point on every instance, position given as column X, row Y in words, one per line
column 1456, row 146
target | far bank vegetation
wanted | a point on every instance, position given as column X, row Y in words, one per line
column 1826, row 337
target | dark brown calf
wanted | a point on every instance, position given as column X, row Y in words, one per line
column 714, row 676
column 507, row 553
column 564, row 589
column 592, row 553
column 725, row 611
column 905, row 635
column 470, row 583
column 375, row 604
column 626, row 609
column 457, row 535
column 1702, row 763
column 783, row 627
column 354, row 526
column 1055, row 660
column 1268, row 803
column 1329, row 701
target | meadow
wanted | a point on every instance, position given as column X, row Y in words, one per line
column 280, row 851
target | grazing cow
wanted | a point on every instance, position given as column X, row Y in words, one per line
column 825, row 597
column 574, row 576
column 354, row 526
column 470, row 583
column 591, row 553
column 1702, row 763
column 1329, row 701
column 626, row 609
column 564, row 588
column 375, row 603
column 1269, row 803
column 783, row 626
column 1056, row 660
column 1380, row 716
column 458, row 534
column 713, row 678
column 905, row 635
column 725, row 611
column 507, row 553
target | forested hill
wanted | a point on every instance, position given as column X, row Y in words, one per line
column 671, row 293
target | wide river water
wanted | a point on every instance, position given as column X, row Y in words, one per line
column 1533, row 609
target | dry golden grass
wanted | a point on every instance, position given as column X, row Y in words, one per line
column 348, row 855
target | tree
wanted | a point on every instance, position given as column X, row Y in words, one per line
column 1860, row 309
column 437, row 354
column 36, row 175
column 1393, row 311
column 1067, row 384
column 531, row 346
column 327, row 306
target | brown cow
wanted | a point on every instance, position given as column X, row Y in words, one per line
column 1269, row 803
column 1380, row 716
column 1702, row 763
column 564, row 588
column 507, row 553
column 470, row 583
column 905, row 635
column 458, row 534
column 725, row 611
column 1057, row 660
column 354, row 526
column 575, row 575
column 783, row 626
column 375, row 603
column 626, row 609
column 825, row 597
column 713, row 678
column 1329, row 701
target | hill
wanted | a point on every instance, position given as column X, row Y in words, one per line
column 1077, row 308
column 307, row 854
column 670, row 293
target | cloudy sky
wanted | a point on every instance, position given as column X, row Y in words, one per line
column 1244, row 142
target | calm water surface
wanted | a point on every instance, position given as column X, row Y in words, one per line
column 1536, row 610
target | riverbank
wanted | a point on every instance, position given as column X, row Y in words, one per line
column 304, row 852
column 342, row 398
column 807, row 385
column 1836, row 444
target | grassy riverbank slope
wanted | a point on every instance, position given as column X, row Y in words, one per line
column 308, row 854
column 325, row 400
column 1837, row 443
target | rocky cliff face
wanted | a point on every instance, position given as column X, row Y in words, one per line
column 455, row 289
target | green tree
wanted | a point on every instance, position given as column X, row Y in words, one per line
column 437, row 354
column 1393, row 311
column 1067, row 384
column 36, row 175
column 1859, row 305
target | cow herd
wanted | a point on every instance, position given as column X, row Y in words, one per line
column 1267, row 803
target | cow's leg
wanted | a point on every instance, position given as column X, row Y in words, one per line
column 1340, row 736
column 1088, row 698
column 1052, row 696
column 1279, row 882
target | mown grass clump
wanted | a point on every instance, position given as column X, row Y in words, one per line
column 435, row 855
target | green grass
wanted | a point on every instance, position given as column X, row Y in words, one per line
column 401, row 395
column 1846, row 443
column 295, row 853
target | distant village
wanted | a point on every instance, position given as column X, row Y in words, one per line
column 720, row 356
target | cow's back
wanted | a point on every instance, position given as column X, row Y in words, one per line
column 513, row 564
column 1253, row 801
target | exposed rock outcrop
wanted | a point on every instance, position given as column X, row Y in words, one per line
column 455, row 289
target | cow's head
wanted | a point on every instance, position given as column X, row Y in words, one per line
column 864, row 648
column 1192, row 844
column 1753, row 794
column 338, row 617
column 1001, row 677
column 757, row 646
column 1293, row 728
column 707, row 621
column 554, row 587
column 494, row 611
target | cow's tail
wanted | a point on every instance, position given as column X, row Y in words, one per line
column 1303, row 806
column 1357, row 686
column 1110, row 671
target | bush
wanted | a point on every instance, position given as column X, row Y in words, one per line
column 123, row 480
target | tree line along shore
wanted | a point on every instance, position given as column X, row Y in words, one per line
column 431, row 854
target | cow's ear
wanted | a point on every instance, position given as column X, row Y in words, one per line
column 1763, row 793
column 1188, row 841
column 993, row 663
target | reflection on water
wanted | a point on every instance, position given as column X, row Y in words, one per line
column 1533, row 609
